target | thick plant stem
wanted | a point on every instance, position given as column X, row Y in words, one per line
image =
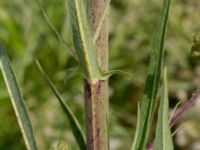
column 96, row 94
column 96, row 115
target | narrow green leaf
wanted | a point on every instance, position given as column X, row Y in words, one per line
column 55, row 31
column 83, row 42
column 76, row 128
column 17, row 101
column 148, row 100
column 163, row 140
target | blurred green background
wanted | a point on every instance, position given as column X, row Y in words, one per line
column 26, row 35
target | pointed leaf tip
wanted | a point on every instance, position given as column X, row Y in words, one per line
column 163, row 138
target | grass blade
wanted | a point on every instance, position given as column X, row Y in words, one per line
column 54, row 30
column 76, row 128
column 17, row 101
column 163, row 138
column 148, row 100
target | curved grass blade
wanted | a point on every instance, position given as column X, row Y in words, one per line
column 17, row 101
column 163, row 139
column 110, row 73
column 174, row 110
column 55, row 31
column 148, row 100
column 76, row 128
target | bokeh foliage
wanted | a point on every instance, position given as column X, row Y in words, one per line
column 26, row 35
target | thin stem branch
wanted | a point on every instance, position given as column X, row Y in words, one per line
column 185, row 108
column 174, row 119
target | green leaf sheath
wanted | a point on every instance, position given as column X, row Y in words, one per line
column 83, row 40
column 17, row 101
column 148, row 101
column 76, row 128
column 84, row 43
column 163, row 140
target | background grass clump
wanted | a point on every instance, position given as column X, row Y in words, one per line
column 26, row 35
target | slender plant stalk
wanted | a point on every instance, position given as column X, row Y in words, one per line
column 96, row 94
column 186, row 107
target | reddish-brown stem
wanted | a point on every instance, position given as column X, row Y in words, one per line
column 96, row 116
column 96, row 94
column 185, row 108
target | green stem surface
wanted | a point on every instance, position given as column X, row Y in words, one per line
column 96, row 94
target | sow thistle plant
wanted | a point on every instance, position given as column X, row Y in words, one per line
column 89, row 25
